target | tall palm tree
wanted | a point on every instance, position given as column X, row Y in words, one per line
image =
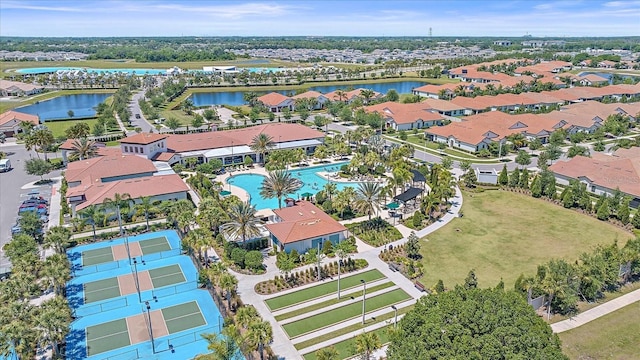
column 342, row 95
column 84, row 148
column 261, row 144
column 211, row 215
column 57, row 271
column 43, row 138
column 94, row 215
column 200, row 239
column 146, row 206
column 118, row 202
column 367, row 343
column 368, row 198
column 367, row 94
column 330, row 189
column 18, row 337
column 228, row 283
column 243, row 223
column 224, row 347
column 246, row 315
column 278, row 184
column 260, row 333
column 58, row 238
column 53, row 322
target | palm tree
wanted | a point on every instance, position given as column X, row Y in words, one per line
column 278, row 184
column 260, row 333
column 43, row 138
column 84, row 148
column 94, row 215
column 17, row 333
column 342, row 96
column 228, row 283
column 147, row 207
column 367, row 343
column 243, row 224
column 330, row 189
column 367, row 94
column 328, row 353
column 211, row 215
column 224, row 347
column 401, row 176
column 246, row 315
column 58, row 238
column 430, row 203
column 53, row 322
column 57, row 271
column 261, row 144
column 368, row 198
column 199, row 239
column 118, row 202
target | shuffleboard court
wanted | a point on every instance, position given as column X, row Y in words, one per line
column 154, row 245
column 182, row 317
column 168, row 275
column 101, row 290
column 97, row 256
column 107, row 336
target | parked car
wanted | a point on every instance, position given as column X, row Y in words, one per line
column 137, row 116
column 35, row 202
column 39, row 211
column 31, row 204
column 5, row 165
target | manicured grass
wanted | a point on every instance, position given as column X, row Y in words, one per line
column 326, row 288
column 388, row 317
column 58, row 127
column 613, row 336
column 504, row 234
column 346, row 312
column 333, row 301
column 347, row 348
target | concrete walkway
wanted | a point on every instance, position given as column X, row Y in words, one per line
column 596, row 312
column 115, row 228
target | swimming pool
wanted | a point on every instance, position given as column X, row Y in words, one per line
column 312, row 183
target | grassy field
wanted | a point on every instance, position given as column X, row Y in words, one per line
column 343, row 313
column 58, row 127
column 504, row 234
column 613, row 336
column 324, row 289
column 347, row 348
column 8, row 105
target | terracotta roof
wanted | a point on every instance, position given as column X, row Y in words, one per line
column 68, row 145
column 164, row 156
column 143, row 138
column 218, row 139
column 350, row 95
column 11, row 115
column 621, row 173
column 303, row 221
column 308, row 94
column 273, row 99
column 441, row 105
column 137, row 187
column 405, row 113
column 95, row 169
column 7, row 84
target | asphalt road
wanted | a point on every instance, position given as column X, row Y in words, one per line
column 12, row 192
column 135, row 109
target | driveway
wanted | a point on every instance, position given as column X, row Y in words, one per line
column 135, row 109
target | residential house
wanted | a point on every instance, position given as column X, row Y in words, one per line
column 350, row 96
column 320, row 99
column 16, row 88
column 300, row 225
column 276, row 102
column 10, row 122
column 607, row 64
column 400, row 116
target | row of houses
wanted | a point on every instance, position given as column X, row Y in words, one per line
column 277, row 102
column 477, row 132
column 16, row 88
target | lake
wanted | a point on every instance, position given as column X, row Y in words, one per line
column 82, row 105
column 234, row 98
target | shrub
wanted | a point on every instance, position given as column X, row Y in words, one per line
column 238, row 255
column 253, row 259
column 418, row 217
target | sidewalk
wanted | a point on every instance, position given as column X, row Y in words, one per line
column 115, row 228
column 596, row 312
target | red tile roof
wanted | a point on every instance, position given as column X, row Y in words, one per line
column 273, row 99
column 143, row 138
column 94, row 169
column 137, row 187
column 303, row 221
column 308, row 94
column 10, row 115
column 405, row 113
column 218, row 139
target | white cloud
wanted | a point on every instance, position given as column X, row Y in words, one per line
column 25, row 6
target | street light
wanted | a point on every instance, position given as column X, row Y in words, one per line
column 153, row 345
column 364, row 297
column 137, row 281
column 126, row 243
column 395, row 317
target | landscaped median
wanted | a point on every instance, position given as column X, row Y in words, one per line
column 338, row 315
column 347, row 349
column 324, row 289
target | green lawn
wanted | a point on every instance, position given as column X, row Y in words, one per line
column 343, row 313
column 324, row 289
column 333, row 301
column 347, row 348
column 613, row 336
column 504, row 234
column 58, row 127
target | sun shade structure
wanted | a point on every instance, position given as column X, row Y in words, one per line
column 408, row 195
column 417, row 176
column 307, row 194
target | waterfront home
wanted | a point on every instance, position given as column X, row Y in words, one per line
column 16, row 88
column 320, row 99
column 276, row 102
column 10, row 122
column 400, row 116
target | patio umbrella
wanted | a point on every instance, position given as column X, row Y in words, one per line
column 393, row 205
column 225, row 192
column 307, row 194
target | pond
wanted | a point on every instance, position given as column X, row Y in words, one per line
column 234, row 98
column 82, row 105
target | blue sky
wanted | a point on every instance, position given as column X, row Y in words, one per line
column 321, row 17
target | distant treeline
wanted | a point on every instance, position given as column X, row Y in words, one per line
column 147, row 49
